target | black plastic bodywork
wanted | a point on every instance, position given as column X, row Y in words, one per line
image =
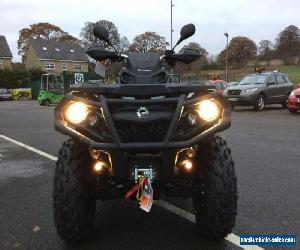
column 143, row 69
column 118, row 104
column 100, row 53
column 185, row 55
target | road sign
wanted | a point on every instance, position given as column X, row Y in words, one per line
column 79, row 78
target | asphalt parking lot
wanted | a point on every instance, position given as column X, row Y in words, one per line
column 265, row 146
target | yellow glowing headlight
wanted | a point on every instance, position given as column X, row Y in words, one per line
column 208, row 110
column 76, row 112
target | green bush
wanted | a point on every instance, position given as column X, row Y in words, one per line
column 12, row 79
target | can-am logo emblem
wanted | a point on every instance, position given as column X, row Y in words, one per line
column 142, row 112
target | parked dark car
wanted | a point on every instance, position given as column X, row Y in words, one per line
column 5, row 95
column 260, row 89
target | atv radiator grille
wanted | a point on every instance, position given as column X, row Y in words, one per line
column 148, row 132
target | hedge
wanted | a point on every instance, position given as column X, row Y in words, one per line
column 12, row 79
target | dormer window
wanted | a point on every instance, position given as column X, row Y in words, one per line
column 45, row 48
column 71, row 50
column 57, row 49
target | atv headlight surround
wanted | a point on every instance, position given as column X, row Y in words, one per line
column 76, row 112
column 208, row 110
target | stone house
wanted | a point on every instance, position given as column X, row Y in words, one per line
column 5, row 54
column 56, row 57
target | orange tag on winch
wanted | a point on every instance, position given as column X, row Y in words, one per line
column 144, row 193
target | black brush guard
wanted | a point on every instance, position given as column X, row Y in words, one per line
column 104, row 97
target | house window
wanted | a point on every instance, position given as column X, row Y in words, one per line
column 77, row 67
column 50, row 66
column 0, row 64
column 64, row 67
column 45, row 48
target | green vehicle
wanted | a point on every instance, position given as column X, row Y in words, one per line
column 52, row 89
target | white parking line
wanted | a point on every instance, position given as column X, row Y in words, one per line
column 51, row 157
column 234, row 239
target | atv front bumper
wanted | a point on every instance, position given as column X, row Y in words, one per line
column 222, row 124
column 144, row 134
column 153, row 142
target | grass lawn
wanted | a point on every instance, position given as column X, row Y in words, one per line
column 293, row 72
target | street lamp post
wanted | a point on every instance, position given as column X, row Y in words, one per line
column 172, row 5
column 226, row 70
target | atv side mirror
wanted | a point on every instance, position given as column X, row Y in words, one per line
column 101, row 32
column 186, row 31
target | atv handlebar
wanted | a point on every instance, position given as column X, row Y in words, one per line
column 185, row 55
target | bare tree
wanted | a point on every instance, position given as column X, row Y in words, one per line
column 264, row 47
column 88, row 38
column 288, row 41
column 123, row 45
column 46, row 31
column 148, row 41
column 240, row 50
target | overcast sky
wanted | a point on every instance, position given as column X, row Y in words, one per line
column 255, row 19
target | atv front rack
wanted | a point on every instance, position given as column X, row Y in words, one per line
column 103, row 97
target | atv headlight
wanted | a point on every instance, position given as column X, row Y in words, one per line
column 76, row 112
column 208, row 110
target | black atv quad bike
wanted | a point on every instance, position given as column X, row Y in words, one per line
column 144, row 125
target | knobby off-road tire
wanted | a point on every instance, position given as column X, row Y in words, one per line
column 215, row 201
column 73, row 207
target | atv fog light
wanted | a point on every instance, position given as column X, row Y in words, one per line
column 187, row 164
column 208, row 110
column 99, row 166
column 76, row 112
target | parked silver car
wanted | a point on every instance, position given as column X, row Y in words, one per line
column 260, row 89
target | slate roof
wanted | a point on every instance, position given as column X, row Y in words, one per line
column 4, row 48
column 49, row 49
